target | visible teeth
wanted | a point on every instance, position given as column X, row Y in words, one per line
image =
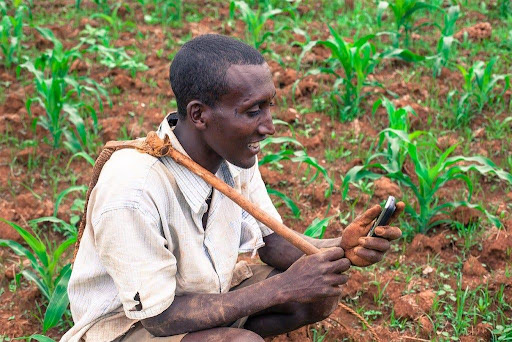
column 254, row 145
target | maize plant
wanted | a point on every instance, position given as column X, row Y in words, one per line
column 480, row 88
column 447, row 43
column 166, row 12
column 50, row 278
column 255, row 21
column 403, row 13
column 357, row 60
column 60, row 95
column 433, row 168
column 11, row 36
column 99, row 42
column 286, row 152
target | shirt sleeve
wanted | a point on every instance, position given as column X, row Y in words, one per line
column 138, row 257
column 253, row 231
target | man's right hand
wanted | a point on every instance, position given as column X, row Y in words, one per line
column 314, row 277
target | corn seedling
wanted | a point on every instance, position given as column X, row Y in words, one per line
column 433, row 169
column 505, row 11
column 60, row 95
column 50, row 278
column 358, row 60
column 480, row 89
column 116, row 24
column 317, row 228
column 11, row 35
column 300, row 156
column 403, row 13
column 255, row 21
column 165, row 12
column 447, row 43
column 99, row 42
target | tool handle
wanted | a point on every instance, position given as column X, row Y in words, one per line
column 243, row 202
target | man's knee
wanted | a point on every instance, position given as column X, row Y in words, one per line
column 242, row 335
column 223, row 334
column 317, row 311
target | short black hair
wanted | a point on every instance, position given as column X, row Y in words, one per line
column 198, row 71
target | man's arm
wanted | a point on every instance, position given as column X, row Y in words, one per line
column 311, row 278
column 360, row 249
column 281, row 254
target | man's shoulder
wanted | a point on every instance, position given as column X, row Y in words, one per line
column 130, row 177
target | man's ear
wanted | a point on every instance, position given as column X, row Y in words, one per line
column 199, row 114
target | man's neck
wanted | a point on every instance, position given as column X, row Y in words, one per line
column 196, row 148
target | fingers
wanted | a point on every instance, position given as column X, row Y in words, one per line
column 387, row 232
column 332, row 254
column 378, row 244
column 357, row 260
column 370, row 255
column 337, row 279
column 368, row 216
column 399, row 207
column 340, row 266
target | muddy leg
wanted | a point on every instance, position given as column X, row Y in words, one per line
column 222, row 334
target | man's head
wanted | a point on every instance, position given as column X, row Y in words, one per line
column 198, row 71
column 224, row 91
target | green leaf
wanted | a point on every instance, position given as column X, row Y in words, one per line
column 84, row 155
column 41, row 338
column 317, row 228
column 287, row 201
column 19, row 250
column 59, row 300
column 66, row 192
column 41, row 285
column 35, row 243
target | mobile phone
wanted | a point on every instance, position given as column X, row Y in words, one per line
column 385, row 215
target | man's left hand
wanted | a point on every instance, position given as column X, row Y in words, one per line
column 362, row 250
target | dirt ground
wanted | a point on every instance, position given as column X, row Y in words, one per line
column 139, row 106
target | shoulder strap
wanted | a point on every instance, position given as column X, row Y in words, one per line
column 107, row 151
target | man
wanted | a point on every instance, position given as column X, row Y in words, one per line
column 158, row 255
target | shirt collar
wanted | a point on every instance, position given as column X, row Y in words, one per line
column 194, row 188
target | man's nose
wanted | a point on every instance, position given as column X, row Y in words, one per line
column 266, row 127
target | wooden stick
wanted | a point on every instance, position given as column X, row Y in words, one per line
column 244, row 203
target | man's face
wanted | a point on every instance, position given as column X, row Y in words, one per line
column 241, row 118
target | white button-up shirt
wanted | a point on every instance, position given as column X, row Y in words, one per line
column 144, row 242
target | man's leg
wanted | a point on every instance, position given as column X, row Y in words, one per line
column 221, row 335
column 139, row 334
column 286, row 317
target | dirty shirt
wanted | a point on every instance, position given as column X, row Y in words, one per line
column 144, row 241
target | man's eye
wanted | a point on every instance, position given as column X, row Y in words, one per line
column 254, row 113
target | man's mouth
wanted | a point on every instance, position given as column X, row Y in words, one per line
column 254, row 147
